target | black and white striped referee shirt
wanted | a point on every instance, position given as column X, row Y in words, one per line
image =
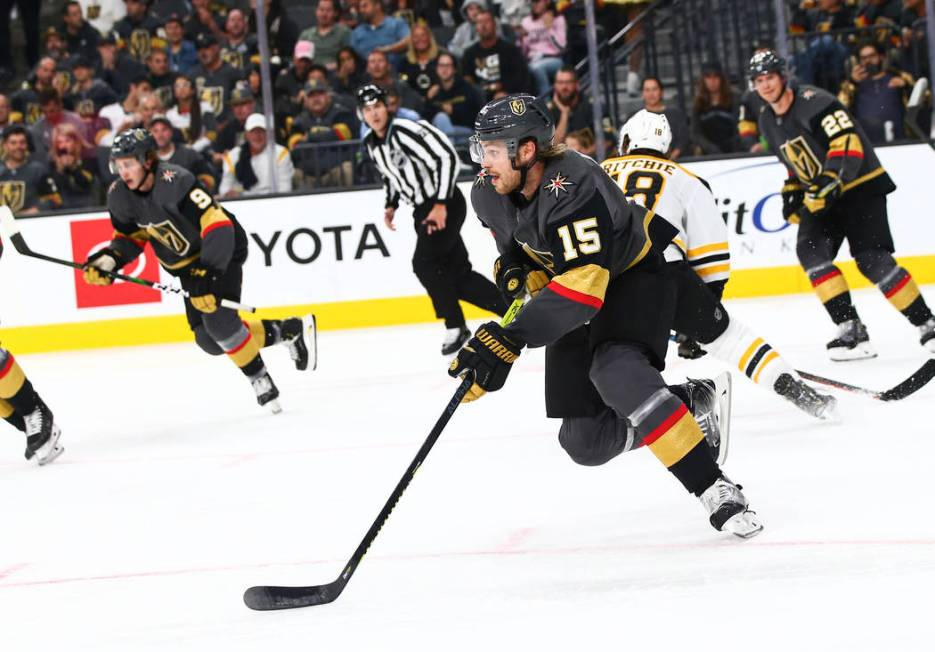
column 417, row 161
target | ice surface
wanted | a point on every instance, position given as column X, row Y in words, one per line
column 176, row 492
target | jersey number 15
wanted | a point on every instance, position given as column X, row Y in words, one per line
column 580, row 237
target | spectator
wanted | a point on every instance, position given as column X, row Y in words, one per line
column 29, row 14
column 116, row 67
column 239, row 45
column 328, row 35
column 821, row 16
column 582, row 142
column 496, row 66
column 6, row 115
column 466, row 34
column 255, row 80
column 161, row 77
column 103, row 14
column 87, row 95
column 194, row 118
column 914, row 39
column 652, row 102
column 282, row 31
column 25, row 185
column 714, row 113
column 246, row 168
column 543, row 43
column 123, row 115
column 81, row 39
column 379, row 32
column 454, row 101
column 381, row 73
column 72, row 175
column 571, row 111
column 350, row 14
column 877, row 96
column 350, row 73
column 231, row 133
column 182, row 53
column 394, row 104
column 418, row 68
column 203, row 21
column 167, row 150
column 54, row 46
column 323, row 121
column 25, row 101
column 150, row 107
column 214, row 78
column 879, row 12
column 162, row 9
column 512, row 12
column 137, row 29
column 291, row 81
column 822, row 64
column 53, row 115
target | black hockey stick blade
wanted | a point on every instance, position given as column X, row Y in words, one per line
column 922, row 376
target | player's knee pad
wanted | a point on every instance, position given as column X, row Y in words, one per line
column 624, row 376
column 875, row 264
column 206, row 342
column 592, row 441
column 810, row 255
column 222, row 324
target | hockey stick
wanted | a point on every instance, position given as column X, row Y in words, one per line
column 268, row 598
column 912, row 384
column 11, row 228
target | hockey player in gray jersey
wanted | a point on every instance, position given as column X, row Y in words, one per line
column 836, row 190
column 201, row 243
column 699, row 260
column 604, row 312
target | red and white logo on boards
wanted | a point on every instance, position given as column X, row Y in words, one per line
column 87, row 237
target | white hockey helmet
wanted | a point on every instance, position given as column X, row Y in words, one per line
column 645, row 130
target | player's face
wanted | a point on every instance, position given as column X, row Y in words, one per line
column 769, row 86
column 131, row 171
column 376, row 116
column 495, row 160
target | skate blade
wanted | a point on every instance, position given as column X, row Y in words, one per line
column 745, row 525
column 310, row 334
column 723, row 386
column 54, row 450
column 273, row 406
column 860, row 352
column 830, row 412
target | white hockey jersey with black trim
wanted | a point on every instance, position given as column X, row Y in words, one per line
column 686, row 202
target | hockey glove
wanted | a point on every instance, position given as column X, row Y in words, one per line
column 823, row 191
column 201, row 290
column 512, row 276
column 689, row 348
column 793, row 194
column 97, row 266
column 489, row 355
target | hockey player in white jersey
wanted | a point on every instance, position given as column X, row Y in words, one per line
column 699, row 259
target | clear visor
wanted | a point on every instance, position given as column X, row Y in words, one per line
column 123, row 163
column 491, row 151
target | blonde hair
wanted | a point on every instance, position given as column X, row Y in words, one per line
column 433, row 46
column 69, row 131
column 554, row 151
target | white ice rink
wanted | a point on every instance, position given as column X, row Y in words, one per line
column 176, row 492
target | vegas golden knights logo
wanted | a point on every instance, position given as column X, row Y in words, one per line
column 518, row 107
column 140, row 44
column 214, row 96
column 13, row 194
column 33, row 113
column 168, row 235
column 802, row 159
column 233, row 58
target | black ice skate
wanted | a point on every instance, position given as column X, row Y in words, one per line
column 455, row 339
column 852, row 342
column 42, row 435
column 301, row 338
column 266, row 393
column 927, row 335
column 728, row 509
column 820, row 406
column 709, row 402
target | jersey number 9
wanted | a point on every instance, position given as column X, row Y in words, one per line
column 645, row 185
column 585, row 240
column 200, row 198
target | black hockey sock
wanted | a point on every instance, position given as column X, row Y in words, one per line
column 676, row 439
column 15, row 388
column 831, row 288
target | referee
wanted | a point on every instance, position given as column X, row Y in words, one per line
column 419, row 165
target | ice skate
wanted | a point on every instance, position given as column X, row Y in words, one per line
column 728, row 509
column 300, row 335
column 42, row 435
column 455, row 339
column 266, row 393
column 927, row 335
column 709, row 402
column 820, row 406
column 852, row 342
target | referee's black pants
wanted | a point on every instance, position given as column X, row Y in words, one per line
column 441, row 264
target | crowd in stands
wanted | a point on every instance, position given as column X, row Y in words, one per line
column 189, row 70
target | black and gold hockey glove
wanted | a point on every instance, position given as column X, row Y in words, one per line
column 489, row 355
column 200, row 285
column 822, row 192
column 98, row 264
column 513, row 276
column 793, row 194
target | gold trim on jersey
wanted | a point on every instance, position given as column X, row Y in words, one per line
column 715, row 247
column 844, row 145
column 867, row 177
column 213, row 215
column 800, row 156
column 591, row 280
column 714, row 269
column 646, row 245
column 544, row 258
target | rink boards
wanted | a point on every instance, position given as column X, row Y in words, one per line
column 331, row 253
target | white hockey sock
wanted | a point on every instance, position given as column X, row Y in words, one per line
column 752, row 355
